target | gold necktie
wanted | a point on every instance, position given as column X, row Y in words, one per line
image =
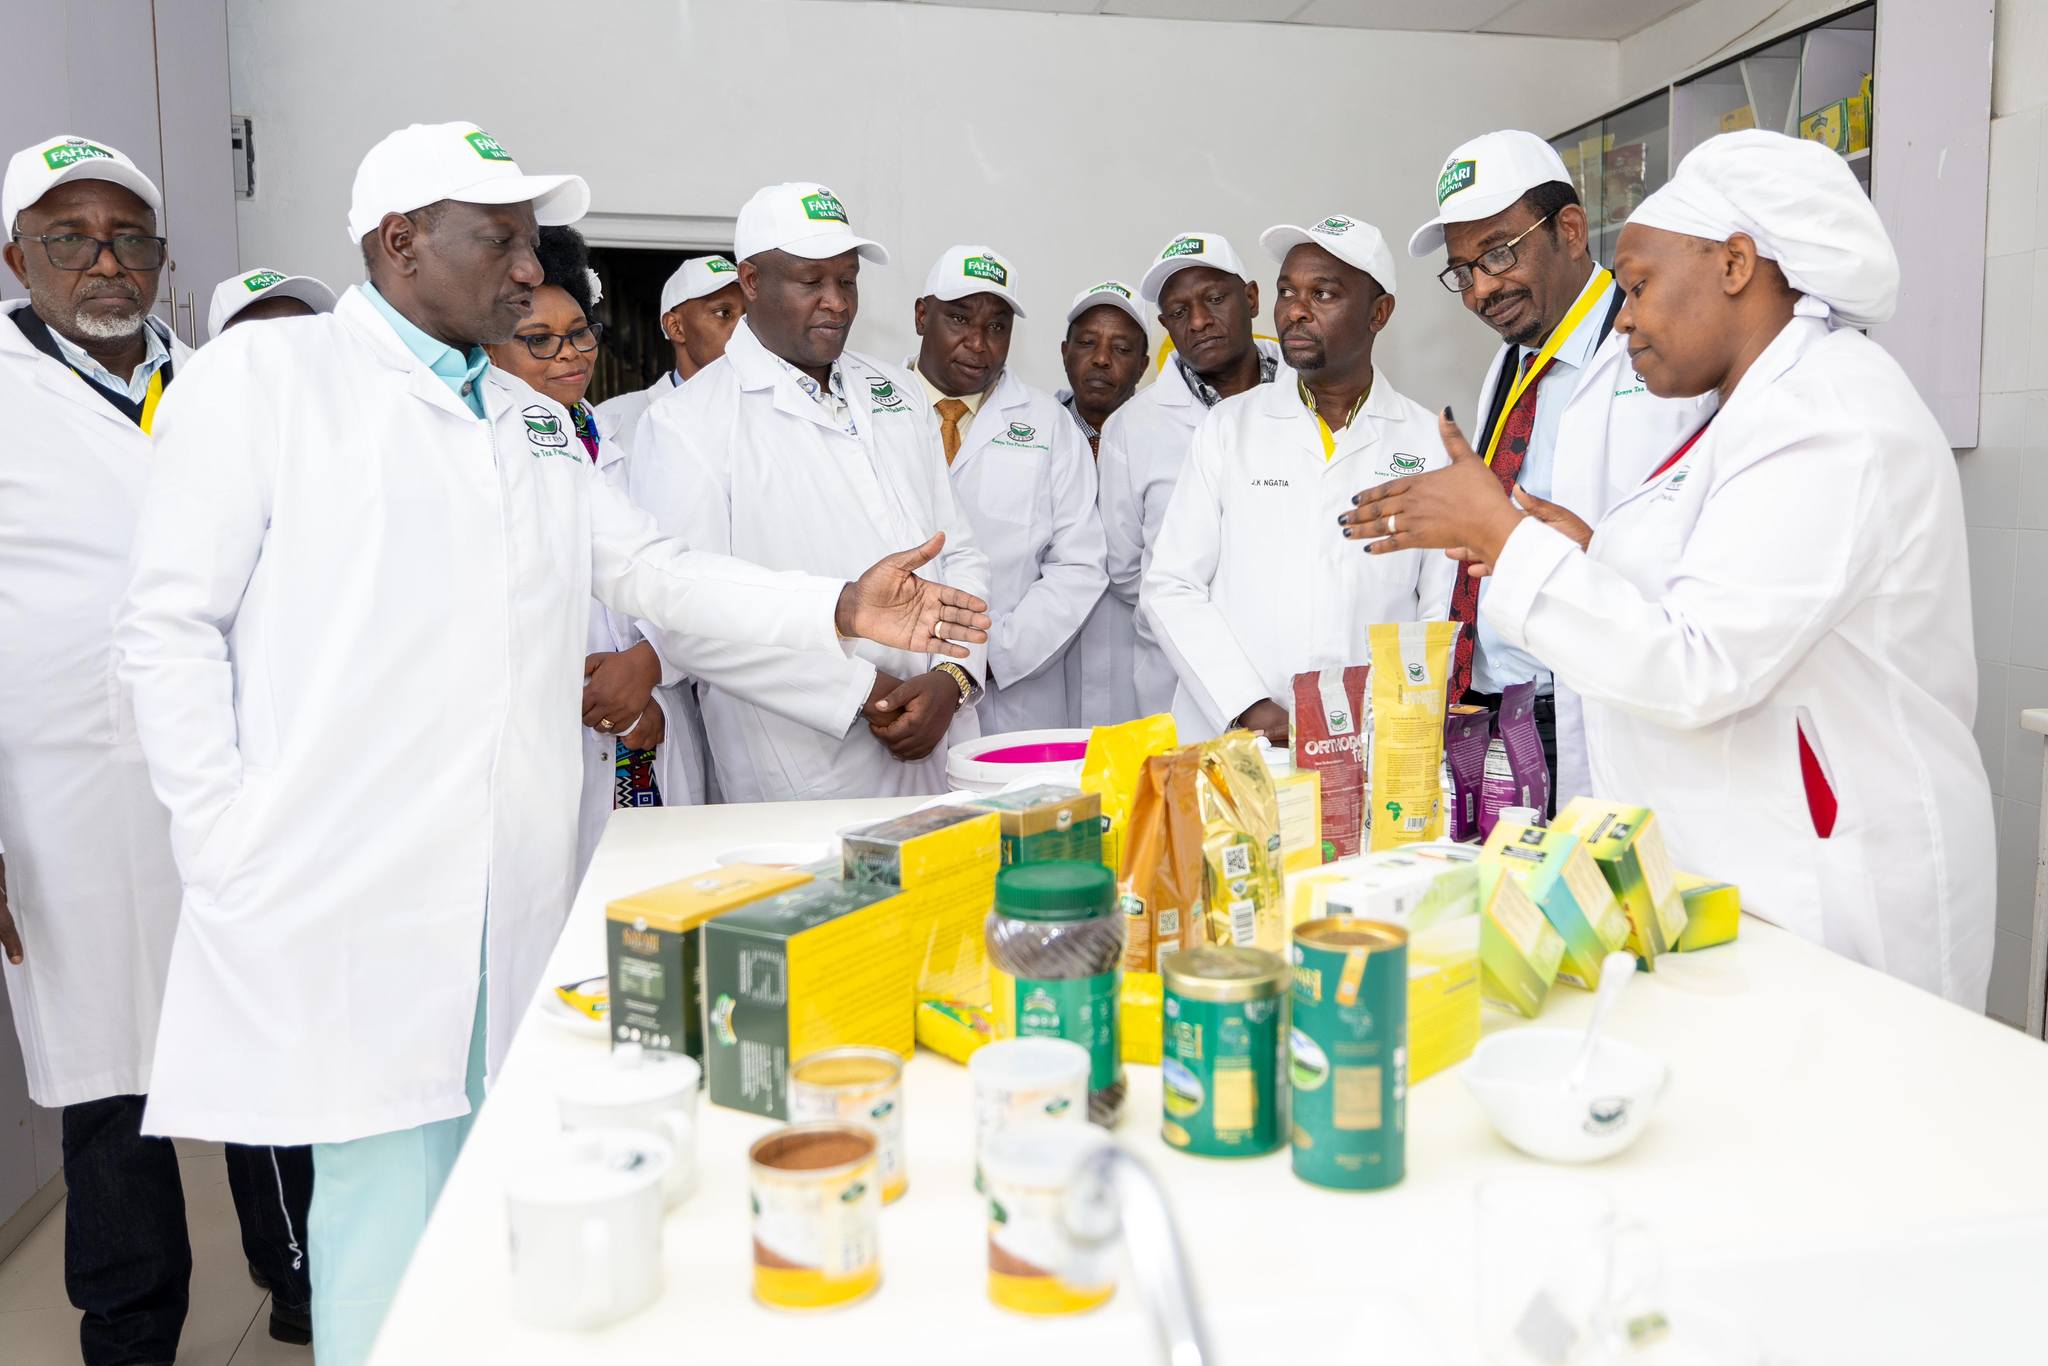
column 950, row 410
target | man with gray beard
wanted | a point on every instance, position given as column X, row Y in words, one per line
column 89, row 892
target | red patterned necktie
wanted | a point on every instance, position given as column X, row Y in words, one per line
column 1507, row 466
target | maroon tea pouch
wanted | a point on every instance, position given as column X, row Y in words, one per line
column 1329, row 739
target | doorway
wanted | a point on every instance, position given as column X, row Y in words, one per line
column 635, row 353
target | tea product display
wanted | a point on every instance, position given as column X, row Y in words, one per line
column 1045, row 824
column 1159, row 887
column 1431, row 891
column 1330, row 741
column 1516, row 773
column 946, row 858
column 1628, row 846
column 1553, row 868
column 1713, row 912
column 652, row 953
column 1056, row 945
column 1115, row 757
column 1411, row 670
column 1241, row 887
column 819, row 966
column 1467, row 731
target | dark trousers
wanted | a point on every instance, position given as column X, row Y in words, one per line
column 1545, row 713
column 127, row 1259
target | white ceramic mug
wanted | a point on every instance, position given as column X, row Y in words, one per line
column 1520, row 815
column 653, row 1092
column 584, row 1213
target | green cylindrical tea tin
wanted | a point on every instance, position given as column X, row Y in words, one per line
column 1348, row 1052
column 1223, row 1051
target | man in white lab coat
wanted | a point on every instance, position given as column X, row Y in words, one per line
column 1251, row 583
column 1206, row 301
column 1026, row 481
column 1104, row 355
column 88, row 889
column 794, row 452
column 701, row 303
column 1569, row 421
column 357, row 607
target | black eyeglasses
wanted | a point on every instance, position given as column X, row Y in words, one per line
column 76, row 251
column 548, row 345
column 1493, row 261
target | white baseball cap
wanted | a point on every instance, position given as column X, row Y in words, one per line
column 1186, row 249
column 1351, row 240
column 237, row 292
column 41, row 167
column 1109, row 294
column 425, row 163
column 695, row 278
column 802, row 218
column 965, row 270
column 1483, row 177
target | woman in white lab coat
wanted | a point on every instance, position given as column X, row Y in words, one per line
column 1771, row 633
column 629, row 756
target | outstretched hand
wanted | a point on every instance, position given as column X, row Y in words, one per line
column 1460, row 507
column 892, row 606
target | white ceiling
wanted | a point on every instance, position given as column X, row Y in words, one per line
column 1608, row 19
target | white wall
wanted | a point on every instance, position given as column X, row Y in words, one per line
column 1077, row 144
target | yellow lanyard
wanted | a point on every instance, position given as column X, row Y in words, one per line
column 150, row 399
column 1588, row 296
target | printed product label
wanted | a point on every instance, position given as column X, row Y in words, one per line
column 1082, row 1009
column 815, row 1242
column 1033, row 1266
column 880, row 1111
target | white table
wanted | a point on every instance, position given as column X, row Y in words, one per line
column 1851, row 1164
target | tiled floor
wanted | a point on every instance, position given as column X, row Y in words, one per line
column 229, row 1321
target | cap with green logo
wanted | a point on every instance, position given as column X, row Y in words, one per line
column 962, row 271
column 1107, row 294
column 236, row 293
column 1485, row 177
column 1353, row 241
column 697, row 278
column 1186, row 249
column 425, row 163
column 802, row 218
column 46, row 163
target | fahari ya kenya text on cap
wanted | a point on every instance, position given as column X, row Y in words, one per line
column 42, row 166
column 802, row 218
column 968, row 270
column 1107, row 294
column 1186, row 249
column 1483, row 177
column 237, row 292
column 425, row 163
column 696, row 278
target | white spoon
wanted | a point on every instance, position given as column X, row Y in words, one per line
column 1615, row 972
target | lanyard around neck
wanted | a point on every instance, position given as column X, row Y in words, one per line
column 1588, row 296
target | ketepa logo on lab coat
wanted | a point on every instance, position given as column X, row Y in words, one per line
column 1023, row 436
column 886, row 396
column 543, row 431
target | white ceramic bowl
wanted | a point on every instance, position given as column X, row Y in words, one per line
column 1518, row 1077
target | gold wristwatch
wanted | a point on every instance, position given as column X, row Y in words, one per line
column 961, row 679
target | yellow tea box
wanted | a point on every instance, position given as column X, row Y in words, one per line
column 819, row 966
column 1519, row 949
column 946, row 858
column 1141, row 1001
column 1047, row 824
column 1300, row 793
column 1628, row 844
column 652, row 946
column 1434, row 895
column 1713, row 912
column 1554, row 868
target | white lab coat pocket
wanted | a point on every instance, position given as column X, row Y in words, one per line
column 120, row 713
column 221, row 854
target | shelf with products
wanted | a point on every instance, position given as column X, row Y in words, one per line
column 1819, row 81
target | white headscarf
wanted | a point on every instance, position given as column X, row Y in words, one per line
column 1800, row 203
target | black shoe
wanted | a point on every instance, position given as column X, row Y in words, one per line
column 256, row 1278
column 291, row 1325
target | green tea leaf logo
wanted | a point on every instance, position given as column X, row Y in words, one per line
column 1022, row 432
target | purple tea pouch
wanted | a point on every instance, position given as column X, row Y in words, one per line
column 1516, row 727
column 1467, row 730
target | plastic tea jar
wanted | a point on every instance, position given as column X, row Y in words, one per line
column 1055, row 948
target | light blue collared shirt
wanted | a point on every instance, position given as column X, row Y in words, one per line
column 462, row 374
column 136, row 386
column 1495, row 663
